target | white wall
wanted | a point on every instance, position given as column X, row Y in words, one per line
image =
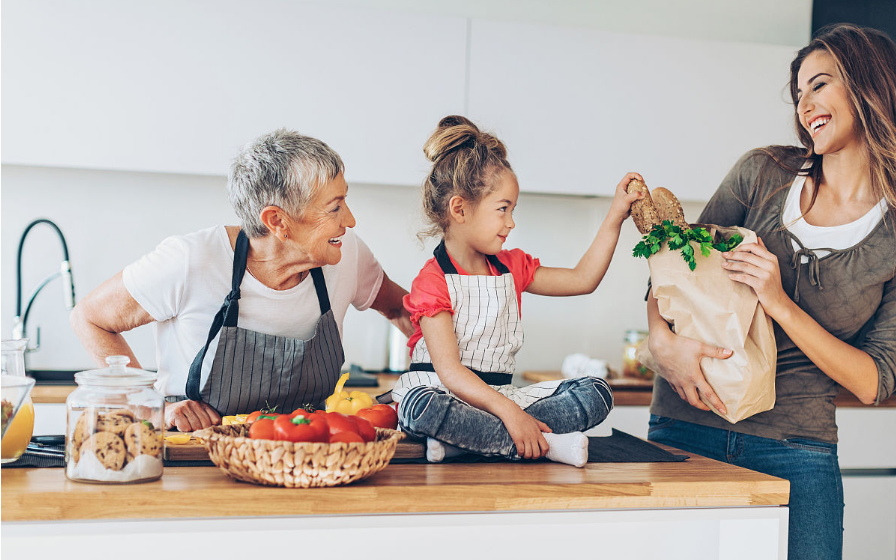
column 111, row 218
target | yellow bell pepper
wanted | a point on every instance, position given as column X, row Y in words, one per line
column 177, row 439
column 347, row 402
column 236, row 419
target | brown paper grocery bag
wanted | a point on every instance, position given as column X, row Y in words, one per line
column 706, row 305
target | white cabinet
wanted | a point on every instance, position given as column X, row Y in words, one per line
column 867, row 454
column 579, row 108
column 178, row 87
column 869, row 517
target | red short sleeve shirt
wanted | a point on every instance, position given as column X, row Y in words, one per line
column 429, row 292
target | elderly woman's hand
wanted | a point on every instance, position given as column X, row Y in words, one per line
column 189, row 416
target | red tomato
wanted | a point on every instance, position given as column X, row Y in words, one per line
column 381, row 416
column 264, row 411
column 300, row 412
column 340, row 423
column 263, row 427
column 311, row 427
column 365, row 428
column 347, row 437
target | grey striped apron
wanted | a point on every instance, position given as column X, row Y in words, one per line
column 252, row 370
column 489, row 333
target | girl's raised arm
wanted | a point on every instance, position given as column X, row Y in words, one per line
column 587, row 275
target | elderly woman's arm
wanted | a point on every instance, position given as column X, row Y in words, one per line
column 98, row 321
column 389, row 303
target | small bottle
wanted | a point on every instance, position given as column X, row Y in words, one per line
column 631, row 367
column 115, row 426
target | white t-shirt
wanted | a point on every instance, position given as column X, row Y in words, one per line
column 183, row 282
column 839, row 237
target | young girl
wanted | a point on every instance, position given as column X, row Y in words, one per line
column 465, row 308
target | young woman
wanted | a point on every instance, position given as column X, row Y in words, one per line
column 824, row 268
column 465, row 309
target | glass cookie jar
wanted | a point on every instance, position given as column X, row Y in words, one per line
column 115, row 425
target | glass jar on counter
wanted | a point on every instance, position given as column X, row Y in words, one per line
column 631, row 367
column 18, row 433
column 115, row 425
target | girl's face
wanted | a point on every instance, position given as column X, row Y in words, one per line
column 490, row 221
column 824, row 108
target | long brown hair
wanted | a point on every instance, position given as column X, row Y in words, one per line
column 465, row 162
column 865, row 58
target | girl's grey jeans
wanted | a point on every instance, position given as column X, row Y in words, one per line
column 577, row 405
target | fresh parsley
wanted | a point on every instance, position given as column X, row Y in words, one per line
column 680, row 239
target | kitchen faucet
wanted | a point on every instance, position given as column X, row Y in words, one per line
column 68, row 287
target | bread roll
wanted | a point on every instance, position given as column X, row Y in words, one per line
column 644, row 212
column 668, row 207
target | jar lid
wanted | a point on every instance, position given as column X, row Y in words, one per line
column 116, row 375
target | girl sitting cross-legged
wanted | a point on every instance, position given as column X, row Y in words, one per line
column 465, row 309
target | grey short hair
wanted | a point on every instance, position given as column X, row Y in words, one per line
column 282, row 168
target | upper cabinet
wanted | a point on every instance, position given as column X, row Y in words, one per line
column 175, row 86
column 579, row 108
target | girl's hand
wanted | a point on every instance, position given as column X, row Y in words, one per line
column 754, row 265
column 678, row 358
column 621, row 207
column 526, row 432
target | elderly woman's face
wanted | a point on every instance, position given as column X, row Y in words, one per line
column 319, row 232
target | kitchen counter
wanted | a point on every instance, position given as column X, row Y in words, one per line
column 195, row 492
column 200, row 512
column 55, row 394
column 635, row 392
column 627, row 392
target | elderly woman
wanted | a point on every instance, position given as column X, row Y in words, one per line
column 276, row 340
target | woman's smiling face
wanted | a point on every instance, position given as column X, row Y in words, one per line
column 318, row 233
column 824, row 108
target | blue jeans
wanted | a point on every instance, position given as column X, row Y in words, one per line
column 816, row 489
column 576, row 405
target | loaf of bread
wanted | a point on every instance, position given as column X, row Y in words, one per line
column 668, row 207
column 644, row 212
column 655, row 207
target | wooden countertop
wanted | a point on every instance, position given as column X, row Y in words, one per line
column 627, row 392
column 58, row 393
column 636, row 392
column 197, row 492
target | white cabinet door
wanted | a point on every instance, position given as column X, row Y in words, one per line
column 867, row 438
column 178, row 87
column 869, row 518
column 579, row 108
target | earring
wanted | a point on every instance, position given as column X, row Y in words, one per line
column 285, row 236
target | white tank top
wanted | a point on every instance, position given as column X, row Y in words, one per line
column 819, row 238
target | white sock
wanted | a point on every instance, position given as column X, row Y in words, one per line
column 571, row 448
column 436, row 451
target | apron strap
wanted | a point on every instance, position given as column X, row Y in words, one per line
column 320, row 286
column 227, row 316
column 441, row 255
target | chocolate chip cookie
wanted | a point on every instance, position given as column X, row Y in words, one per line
column 116, row 422
column 108, row 448
column 142, row 440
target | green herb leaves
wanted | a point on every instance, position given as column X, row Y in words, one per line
column 680, row 239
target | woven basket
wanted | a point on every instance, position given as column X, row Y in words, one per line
column 296, row 465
